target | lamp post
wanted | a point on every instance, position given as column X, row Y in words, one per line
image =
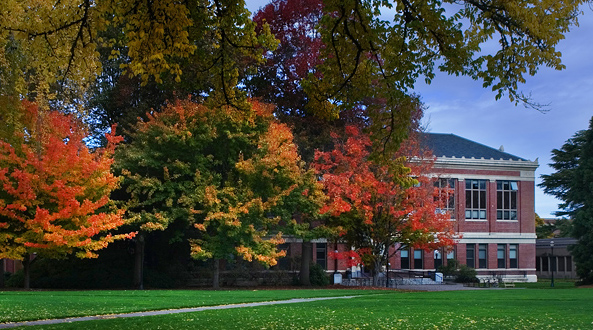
column 336, row 259
column 553, row 263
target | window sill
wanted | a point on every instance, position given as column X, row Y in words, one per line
column 476, row 220
column 501, row 220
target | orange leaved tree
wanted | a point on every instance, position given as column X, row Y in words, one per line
column 54, row 195
column 381, row 207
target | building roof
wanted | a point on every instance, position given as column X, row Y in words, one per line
column 558, row 242
column 451, row 145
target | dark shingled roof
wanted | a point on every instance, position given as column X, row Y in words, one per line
column 450, row 145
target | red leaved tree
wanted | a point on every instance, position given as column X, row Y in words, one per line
column 54, row 196
column 382, row 207
column 278, row 81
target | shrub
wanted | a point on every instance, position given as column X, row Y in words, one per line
column 15, row 280
column 318, row 276
column 462, row 273
column 466, row 274
column 449, row 270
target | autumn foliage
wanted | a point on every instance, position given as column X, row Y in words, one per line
column 266, row 186
column 380, row 206
column 232, row 175
column 279, row 80
column 55, row 191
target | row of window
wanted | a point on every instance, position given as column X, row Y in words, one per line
column 479, row 260
column 556, row 264
column 501, row 255
column 476, row 201
column 475, row 260
column 405, row 259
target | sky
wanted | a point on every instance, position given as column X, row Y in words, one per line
column 461, row 106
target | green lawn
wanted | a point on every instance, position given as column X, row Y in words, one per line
column 481, row 309
column 37, row 305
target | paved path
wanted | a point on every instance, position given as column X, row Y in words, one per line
column 163, row 312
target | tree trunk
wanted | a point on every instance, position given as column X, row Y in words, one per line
column 216, row 274
column 139, row 263
column 1, row 273
column 376, row 272
column 305, row 263
column 27, row 271
column 387, row 273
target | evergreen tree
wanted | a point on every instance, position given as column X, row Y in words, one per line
column 573, row 184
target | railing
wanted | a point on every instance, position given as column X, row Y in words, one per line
column 394, row 279
column 403, row 273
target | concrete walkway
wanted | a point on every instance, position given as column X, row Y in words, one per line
column 164, row 312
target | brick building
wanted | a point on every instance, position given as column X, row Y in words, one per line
column 492, row 208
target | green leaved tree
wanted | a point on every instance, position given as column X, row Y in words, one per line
column 231, row 177
column 572, row 183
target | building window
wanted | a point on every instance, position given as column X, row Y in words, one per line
column 483, row 256
column 569, row 264
column 438, row 259
column 545, row 264
column 501, row 256
column 513, row 256
column 405, row 259
column 470, row 255
column 538, row 263
column 506, row 200
column 446, row 195
column 451, row 255
column 475, row 199
column 418, row 259
column 321, row 253
column 561, row 264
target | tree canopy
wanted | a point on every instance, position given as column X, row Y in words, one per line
column 369, row 50
column 368, row 55
column 232, row 175
column 572, row 183
column 50, row 46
